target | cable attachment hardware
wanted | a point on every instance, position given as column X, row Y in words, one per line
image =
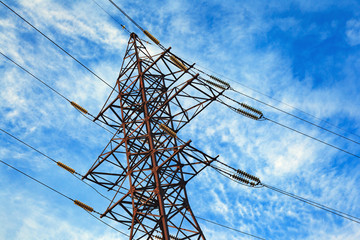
column 178, row 63
column 248, row 176
column 216, row 85
column 220, row 81
column 168, row 130
column 84, row 206
column 67, row 168
column 157, row 42
column 78, row 107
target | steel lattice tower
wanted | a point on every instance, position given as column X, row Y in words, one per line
column 145, row 164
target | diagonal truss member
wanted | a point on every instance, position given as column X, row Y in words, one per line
column 142, row 157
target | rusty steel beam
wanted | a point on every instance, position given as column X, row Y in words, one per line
column 142, row 159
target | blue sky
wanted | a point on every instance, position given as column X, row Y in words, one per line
column 303, row 53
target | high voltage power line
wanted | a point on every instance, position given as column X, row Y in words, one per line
column 84, row 112
column 249, row 180
column 262, row 102
column 281, row 102
column 246, row 95
column 122, row 25
column 80, row 204
column 232, row 173
column 232, row 176
column 162, row 47
column 74, row 173
column 112, row 132
column 57, row 45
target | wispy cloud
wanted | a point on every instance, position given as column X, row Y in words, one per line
column 299, row 52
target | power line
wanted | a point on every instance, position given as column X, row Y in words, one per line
column 228, row 174
column 58, row 192
column 37, row 180
column 122, row 25
column 290, row 114
column 315, row 204
column 116, row 90
column 53, row 160
column 28, row 72
column 295, row 130
column 157, row 42
column 221, row 225
column 57, row 45
column 287, row 127
column 40, row 182
column 75, row 174
column 28, row 145
column 96, row 122
column 137, row 25
column 286, row 104
column 107, row 224
column 314, row 138
column 307, row 201
column 57, row 92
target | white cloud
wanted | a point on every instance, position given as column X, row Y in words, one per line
column 34, row 218
column 353, row 32
column 228, row 45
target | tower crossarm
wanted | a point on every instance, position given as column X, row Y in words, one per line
column 174, row 172
column 154, row 97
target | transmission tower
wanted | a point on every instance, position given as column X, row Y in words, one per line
column 145, row 164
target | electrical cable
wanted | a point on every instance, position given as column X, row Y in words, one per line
column 76, row 174
column 310, row 202
column 58, row 192
column 141, row 28
column 28, row 145
column 215, row 223
column 225, row 175
column 36, row 180
column 28, row 72
column 297, row 131
column 137, row 25
column 286, row 104
column 95, row 122
column 107, row 224
column 58, row 46
column 122, row 25
column 117, row 91
column 264, row 118
column 307, row 201
column 314, row 138
column 19, row 140
column 57, row 92
column 290, row 114
column 40, row 182
column 315, row 204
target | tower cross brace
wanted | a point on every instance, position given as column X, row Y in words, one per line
column 145, row 164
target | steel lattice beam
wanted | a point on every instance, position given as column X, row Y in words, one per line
column 146, row 167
